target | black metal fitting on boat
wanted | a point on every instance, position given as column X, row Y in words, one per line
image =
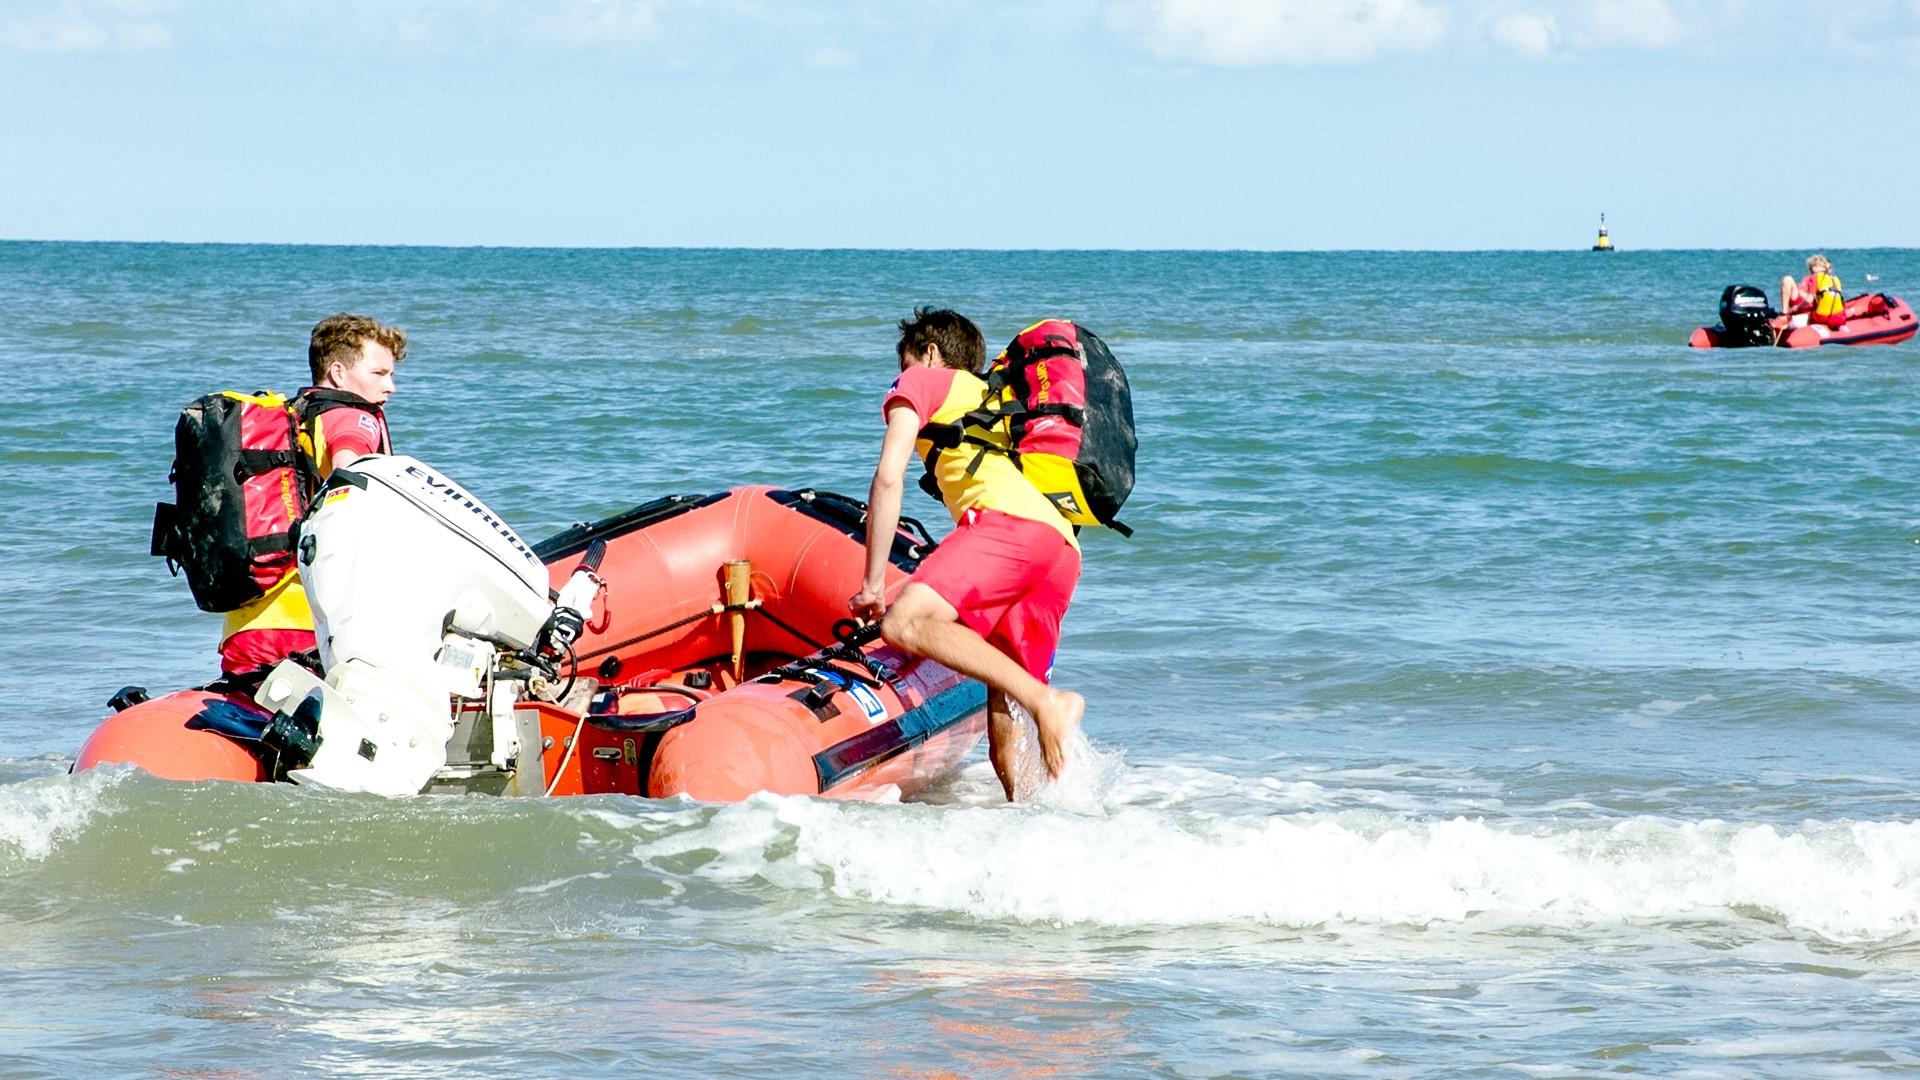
column 294, row 737
column 127, row 697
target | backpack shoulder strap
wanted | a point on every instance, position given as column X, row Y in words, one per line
column 951, row 434
column 316, row 401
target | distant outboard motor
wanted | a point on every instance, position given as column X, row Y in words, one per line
column 1745, row 316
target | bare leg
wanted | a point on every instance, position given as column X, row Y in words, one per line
column 1003, row 741
column 923, row 623
column 1789, row 292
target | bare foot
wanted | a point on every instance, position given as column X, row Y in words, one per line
column 1056, row 721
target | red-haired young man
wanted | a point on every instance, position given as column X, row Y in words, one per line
column 351, row 359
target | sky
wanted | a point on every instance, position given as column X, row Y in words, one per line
column 1206, row 124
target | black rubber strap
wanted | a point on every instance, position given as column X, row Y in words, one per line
column 942, row 436
column 1048, row 352
column 251, row 463
column 1074, row 413
column 277, row 544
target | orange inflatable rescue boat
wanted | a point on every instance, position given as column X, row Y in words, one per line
column 1747, row 319
column 692, row 645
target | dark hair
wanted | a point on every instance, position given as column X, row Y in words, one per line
column 339, row 337
column 961, row 345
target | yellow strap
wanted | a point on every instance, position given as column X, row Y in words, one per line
column 313, row 440
column 266, row 399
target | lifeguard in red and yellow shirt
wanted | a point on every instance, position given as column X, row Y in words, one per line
column 1818, row 295
column 351, row 358
column 989, row 600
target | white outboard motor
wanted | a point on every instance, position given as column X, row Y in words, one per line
column 417, row 590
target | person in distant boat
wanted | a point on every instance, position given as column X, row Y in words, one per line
column 989, row 600
column 351, row 359
column 1818, row 296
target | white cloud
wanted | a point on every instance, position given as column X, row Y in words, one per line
column 1528, row 35
column 1561, row 28
column 838, row 34
column 831, row 58
column 1880, row 31
column 1630, row 24
column 1258, row 33
column 598, row 22
column 84, row 26
column 451, row 26
column 1261, row 33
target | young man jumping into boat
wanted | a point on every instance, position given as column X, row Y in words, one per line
column 351, row 359
column 988, row 602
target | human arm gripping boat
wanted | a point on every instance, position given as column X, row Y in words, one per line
column 689, row 648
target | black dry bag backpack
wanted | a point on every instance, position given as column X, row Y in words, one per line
column 242, row 482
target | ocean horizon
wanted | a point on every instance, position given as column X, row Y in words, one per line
column 1584, row 247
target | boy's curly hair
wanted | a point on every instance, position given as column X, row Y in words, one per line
column 961, row 345
column 338, row 337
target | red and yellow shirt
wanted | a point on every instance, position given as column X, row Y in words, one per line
column 354, row 430
column 941, row 396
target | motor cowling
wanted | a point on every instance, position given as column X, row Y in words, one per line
column 1746, row 317
column 398, row 561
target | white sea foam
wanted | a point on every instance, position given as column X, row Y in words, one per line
column 36, row 814
column 1168, row 786
column 1087, row 784
column 1652, row 713
column 1098, row 780
column 1133, row 866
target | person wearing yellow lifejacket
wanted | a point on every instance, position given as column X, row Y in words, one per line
column 351, row 358
column 989, row 600
column 1818, row 296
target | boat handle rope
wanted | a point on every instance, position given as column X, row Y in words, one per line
column 821, row 667
column 754, row 606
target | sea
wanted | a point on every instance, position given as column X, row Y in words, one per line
column 1493, row 686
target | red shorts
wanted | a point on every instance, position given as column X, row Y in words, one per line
column 257, row 650
column 1010, row 578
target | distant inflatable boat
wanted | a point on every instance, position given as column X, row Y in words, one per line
column 716, row 663
column 1872, row 319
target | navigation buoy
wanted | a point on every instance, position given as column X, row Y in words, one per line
column 1602, row 243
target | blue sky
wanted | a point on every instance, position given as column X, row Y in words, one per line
column 1267, row 124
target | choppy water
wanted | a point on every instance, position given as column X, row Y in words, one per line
column 1495, row 687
